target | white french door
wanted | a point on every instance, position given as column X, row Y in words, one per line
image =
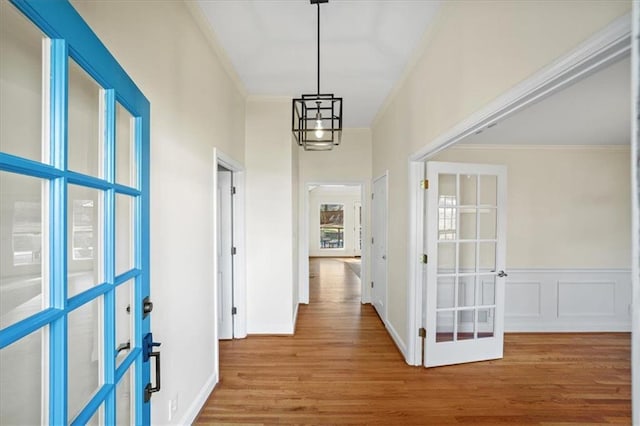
column 466, row 229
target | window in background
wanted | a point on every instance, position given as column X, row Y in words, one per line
column 332, row 226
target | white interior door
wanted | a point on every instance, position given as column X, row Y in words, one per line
column 379, row 246
column 466, row 229
column 225, row 255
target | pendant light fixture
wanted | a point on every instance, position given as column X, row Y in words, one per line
column 317, row 118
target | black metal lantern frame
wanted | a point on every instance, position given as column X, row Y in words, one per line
column 316, row 120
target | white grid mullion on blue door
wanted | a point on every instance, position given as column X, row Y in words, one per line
column 109, row 255
column 58, row 334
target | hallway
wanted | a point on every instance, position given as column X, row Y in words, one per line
column 341, row 367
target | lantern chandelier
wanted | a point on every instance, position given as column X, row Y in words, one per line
column 317, row 118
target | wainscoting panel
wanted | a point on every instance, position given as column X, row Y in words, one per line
column 539, row 300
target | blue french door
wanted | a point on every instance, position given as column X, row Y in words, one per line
column 74, row 225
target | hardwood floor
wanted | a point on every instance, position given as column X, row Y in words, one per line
column 341, row 367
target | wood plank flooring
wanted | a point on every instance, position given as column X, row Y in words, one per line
column 341, row 367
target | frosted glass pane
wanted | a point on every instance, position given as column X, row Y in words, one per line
column 124, row 233
column 488, row 190
column 84, row 228
column 468, row 223
column 21, row 381
column 22, row 240
column 445, row 296
column 466, row 291
column 487, row 257
column 467, row 256
column 486, row 323
column 125, row 399
column 85, row 353
column 488, row 224
column 444, row 326
column 85, row 109
column 466, row 326
column 125, row 159
column 468, row 190
column 21, row 47
column 488, row 292
column 446, row 258
column 124, row 319
column 447, row 188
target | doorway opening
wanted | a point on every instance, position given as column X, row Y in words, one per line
column 229, row 248
column 334, row 225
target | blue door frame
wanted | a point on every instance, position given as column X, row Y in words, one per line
column 71, row 37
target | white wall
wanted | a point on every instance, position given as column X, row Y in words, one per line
column 195, row 106
column 473, row 52
column 269, row 215
column 347, row 196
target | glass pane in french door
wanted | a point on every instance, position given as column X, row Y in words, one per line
column 125, row 399
column 23, row 238
column 466, row 256
column 85, row 111
column 85, row 343
column 21, row 384
column 21, row 85
column 85, row 219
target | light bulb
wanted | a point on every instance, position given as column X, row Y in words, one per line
column 319, row 131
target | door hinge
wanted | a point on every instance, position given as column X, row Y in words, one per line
column 371, row 240
column 233, row 190
column 372, row 195
column 371, row 284
column 234, row 311
column 233, row 251
column 424, row 258
column 424, row 184
column 422, row 332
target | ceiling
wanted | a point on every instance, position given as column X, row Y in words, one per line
column 594, row 111
column 365, row 46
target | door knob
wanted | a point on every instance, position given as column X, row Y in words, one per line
column 384, row 256
column 502, row 274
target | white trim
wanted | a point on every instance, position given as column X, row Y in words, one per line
column 295, row 317
column 303, row 249
column 194, row 409
column 397, row 339
column 239, row 264
column 415, row 312
column 520, row 147
column 600, row 50
column 635, row 216
column 605, row 47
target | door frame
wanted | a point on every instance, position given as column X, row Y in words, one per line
column 303, row 248
column 602, row 49
column 635, row 215
column 239, row 261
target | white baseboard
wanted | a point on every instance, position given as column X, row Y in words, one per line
column 402, row 347
column 199, row 401
column 272, row 328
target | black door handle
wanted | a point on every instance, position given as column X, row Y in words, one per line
column 147, row 354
